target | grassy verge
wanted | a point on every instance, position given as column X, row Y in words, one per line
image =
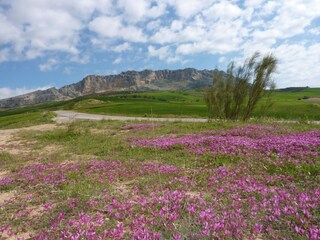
column 25, row 119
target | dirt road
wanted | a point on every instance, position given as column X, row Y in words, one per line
column 68, row 116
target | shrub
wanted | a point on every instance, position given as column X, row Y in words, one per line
column 236, row 94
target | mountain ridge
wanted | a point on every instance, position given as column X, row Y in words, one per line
column 180, row 79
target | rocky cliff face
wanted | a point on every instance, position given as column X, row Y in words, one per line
column 48, row 95
column 183, row 79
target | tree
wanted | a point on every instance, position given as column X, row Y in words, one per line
column 235, row 94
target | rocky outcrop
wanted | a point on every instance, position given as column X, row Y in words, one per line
column 40, row 96
column 183, row 79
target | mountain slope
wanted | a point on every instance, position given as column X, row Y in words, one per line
column 183, row 79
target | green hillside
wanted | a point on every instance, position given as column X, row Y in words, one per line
column 287, row 104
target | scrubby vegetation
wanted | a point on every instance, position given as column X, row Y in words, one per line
column 135, row 180
column 236, row 95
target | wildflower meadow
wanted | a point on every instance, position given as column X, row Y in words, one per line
column 227, row 181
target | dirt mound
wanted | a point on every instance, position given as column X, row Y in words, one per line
column 88, row 102
column 315, row 99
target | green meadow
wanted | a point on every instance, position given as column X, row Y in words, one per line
column 293, row 104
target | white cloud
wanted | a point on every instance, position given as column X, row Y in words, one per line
column 112, row 27
column 153, row 25
column 266, row 38
column 291, row 19
column 219, row 29
column 188, row 9
column 193, row 33
column 33, row 27
column 12, row 92
column 101, row 43
column 106, row 26
column 49, row 65
column 223, row 10
column 175, row 33
column 253, row 3
column 296, row 58
column 203, row 46
column 122, row 47
column 117, row 60
column 298, row 65
column 222, row 59
column 68, row 70
column 163, row 53
column 4, row 55
column 176, row 25
column 269, row 8
column 8, row 31
column 173, row 29
column 138, row 10
column 38, row 28
column 80, row 58
column 221, row 37
column 165, row 35
column 315, row 31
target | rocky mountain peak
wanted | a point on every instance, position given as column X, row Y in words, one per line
column 181, row 79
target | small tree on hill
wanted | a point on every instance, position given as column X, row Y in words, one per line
column 236, row 94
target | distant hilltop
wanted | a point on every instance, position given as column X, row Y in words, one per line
column 163, row 80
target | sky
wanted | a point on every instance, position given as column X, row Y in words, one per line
column 45, row 43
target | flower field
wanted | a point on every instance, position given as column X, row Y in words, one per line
column 233, row 182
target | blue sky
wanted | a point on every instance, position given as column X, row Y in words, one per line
column 46, row 43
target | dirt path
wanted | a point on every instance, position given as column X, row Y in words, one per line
column 68, row 116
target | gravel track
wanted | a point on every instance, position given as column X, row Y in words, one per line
column 69, row 116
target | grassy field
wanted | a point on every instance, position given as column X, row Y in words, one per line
column 181, row 104
column 291, row 105
column 142, row 180
column 185, row 104
column 286, row 105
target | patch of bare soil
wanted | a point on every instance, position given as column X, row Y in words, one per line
column 100, row 131
column 193, row 194
column 35, row 211
column 81, row 158
column 7, row 196
column 316, row 99
column 124, row 187
column 25, row 235
column 3, row 174
column 11, row 144
column 49, row 149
